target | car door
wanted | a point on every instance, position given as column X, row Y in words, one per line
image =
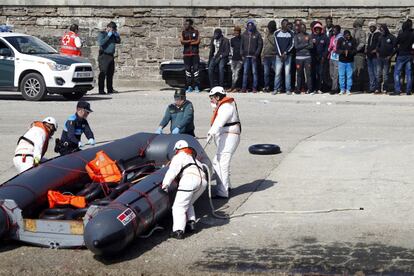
column 6, row 65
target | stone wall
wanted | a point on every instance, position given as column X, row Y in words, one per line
column 151, row 35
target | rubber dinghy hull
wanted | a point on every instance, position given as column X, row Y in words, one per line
column 108, row 229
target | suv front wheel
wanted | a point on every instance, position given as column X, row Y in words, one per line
column 33, row 87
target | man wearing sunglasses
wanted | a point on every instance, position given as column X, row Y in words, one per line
column 74, row 127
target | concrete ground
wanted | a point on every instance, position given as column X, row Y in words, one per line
column 337, row 152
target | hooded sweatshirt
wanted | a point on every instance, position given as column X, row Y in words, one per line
column 320, row 43
column 346, row 45
column 372, row 43
column 386, row 43
column 405, row 40
column 359, row 36
column 251, row 42
column 269, row 44
column 219, row 47
column 333, row 43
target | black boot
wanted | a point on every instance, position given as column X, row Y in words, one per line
column 191, row 227
column 179, row 235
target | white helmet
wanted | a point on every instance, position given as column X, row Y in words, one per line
column 180, row 145
column 217, row 90
column 52, row 121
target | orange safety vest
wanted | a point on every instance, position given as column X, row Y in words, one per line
column 68, row 46
column 47, row 133
column 103, row 169
column 56, row 198
column 223, row 101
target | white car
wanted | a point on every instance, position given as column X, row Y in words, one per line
column 29, row 65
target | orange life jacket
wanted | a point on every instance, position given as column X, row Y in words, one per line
column 56, row 198
column 103, row 169
column 68, row 45
column 47, row 133
column 223, row 101
column 189, row 151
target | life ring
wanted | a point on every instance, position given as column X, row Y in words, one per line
column 264, row 149
column 101, row 202
column 76, row 214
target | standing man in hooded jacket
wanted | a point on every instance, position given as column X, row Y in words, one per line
column 320, row 56
column 190, row 39
column 372, row 60
column 359, row 60
column 269, row 55
column 250, row 48
column 218, row 57
column 385, row 51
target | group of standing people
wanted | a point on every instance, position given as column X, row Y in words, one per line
column 326, row 59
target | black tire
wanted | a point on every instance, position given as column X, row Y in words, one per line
column 264, row 149
column 33, row 87
column 55, row 213
column 74, row 96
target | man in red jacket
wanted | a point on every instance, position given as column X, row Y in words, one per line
column 71, row 44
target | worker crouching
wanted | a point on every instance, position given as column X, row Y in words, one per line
column 192, row 183
column 32, row 146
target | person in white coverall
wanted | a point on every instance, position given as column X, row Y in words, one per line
column 225, row 130
column 192, row 183
column 32, row 146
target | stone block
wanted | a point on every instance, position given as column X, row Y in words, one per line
column 102, row 12
column 123, row 12
column 140, row 31
column 156, row 53
column 141, row 21
column 14, row 11
column 168, row 42
column 35, row 11
column 218, row 13
column 226, row 22
column 211, row 22
column 161, row 32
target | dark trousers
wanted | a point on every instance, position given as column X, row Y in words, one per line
column 304, row 67
column 383, row 70
column 106, row 70
column 221, row 63
column 319, row 77
column 192, row 75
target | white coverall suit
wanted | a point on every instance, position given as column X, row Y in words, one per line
column 192, row 184
column 227, row 139
column 26, row 152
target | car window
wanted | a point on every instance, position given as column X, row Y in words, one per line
column 30, row 45
column 3, row 46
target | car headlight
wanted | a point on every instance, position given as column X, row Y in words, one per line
column 57, row 67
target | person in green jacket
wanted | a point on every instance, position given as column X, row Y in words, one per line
column 181, row 115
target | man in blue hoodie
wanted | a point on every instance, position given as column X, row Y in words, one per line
column 284, row 46
column 250, row 49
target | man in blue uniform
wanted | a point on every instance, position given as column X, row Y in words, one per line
column 181, row 115
column 73, row 129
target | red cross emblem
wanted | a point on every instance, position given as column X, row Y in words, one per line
column 66, row 40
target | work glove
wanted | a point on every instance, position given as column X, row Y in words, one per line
column 80, row 144
column 91, row 142
column 36, row 161
column 159, row 130
column 110, row 34
column 116, row 34
column 176, row 131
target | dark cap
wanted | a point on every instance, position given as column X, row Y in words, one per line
column 84, row 105
column 179, row 94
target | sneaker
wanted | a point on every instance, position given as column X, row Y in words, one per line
column 189, row 90
column 275, row 92
column 320, row 92
column 254, row 90
column 384, row 91
column 409, row 93
column 191, row 226
column 266, row 90
column 348, row 93
column 102, row 93
column 376, row 91
column 289, row 93
column 179, row 235
column 394, row 94
column 244, row 90
column 196, row 89
column 342, row 92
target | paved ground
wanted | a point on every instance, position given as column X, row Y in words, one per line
column 338, row 152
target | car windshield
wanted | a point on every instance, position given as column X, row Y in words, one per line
column 30, row 45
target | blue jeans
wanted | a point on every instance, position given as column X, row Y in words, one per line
column 249, row 62
column 382, row 72
column 403, row 62
column 286, row 63
column 221, row 63
column 345, row 75
column 372, row 73
column 268, row 64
